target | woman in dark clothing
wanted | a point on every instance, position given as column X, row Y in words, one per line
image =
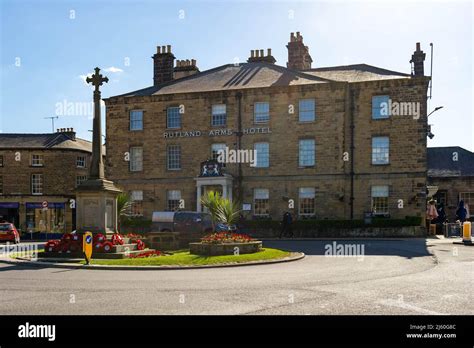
column 441, row 214
column 461, row 212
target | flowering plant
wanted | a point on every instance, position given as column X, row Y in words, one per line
column 145, row 254
column 226, row 237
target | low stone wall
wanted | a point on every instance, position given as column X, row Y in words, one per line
column 363, row 232
column 224, row 248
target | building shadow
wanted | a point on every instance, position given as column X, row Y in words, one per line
column 408, row 248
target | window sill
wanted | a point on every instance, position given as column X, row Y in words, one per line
column 380, row 164
column 306, row 167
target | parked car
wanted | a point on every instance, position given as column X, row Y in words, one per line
column 9, row 233
column 182, row 221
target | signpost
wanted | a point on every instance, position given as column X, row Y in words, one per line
column 87, row 246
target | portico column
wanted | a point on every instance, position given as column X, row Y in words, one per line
column 224, row 190
column 230, row 193
column 198, row 201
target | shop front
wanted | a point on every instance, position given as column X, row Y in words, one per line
column 10, row 212
column 44, row 218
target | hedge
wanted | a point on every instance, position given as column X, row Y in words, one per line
column 326, row 224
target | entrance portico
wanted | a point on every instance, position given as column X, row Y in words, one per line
column 212, row 176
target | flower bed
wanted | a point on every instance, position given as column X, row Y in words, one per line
column 225, row 237
column 225, row 243
column 150, row 253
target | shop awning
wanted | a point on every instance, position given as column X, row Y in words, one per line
column 9, row 205
column 51, row 205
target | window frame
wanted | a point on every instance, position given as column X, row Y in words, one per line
column 77, row 179
column 178, row 115
column 375, row 154
column 266, row 154
column 32, row 183
column 300, row 157
column 168, row 200
column 257, row 113
column 85, row 161
column 313, row 110
column 385, row 98
column 40, row 163
column 218, row 116
column 132, row 157
column 258, row 201
column 132, row 121
column 168, row 159
column 300, row 201
column 385, row 212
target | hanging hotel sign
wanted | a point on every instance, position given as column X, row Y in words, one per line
column 215, row 132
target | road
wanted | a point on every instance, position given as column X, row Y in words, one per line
column 410, row 276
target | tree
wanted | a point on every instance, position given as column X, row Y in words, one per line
column 211, row 201
column 124, row 205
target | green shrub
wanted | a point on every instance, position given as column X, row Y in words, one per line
column 342, row 224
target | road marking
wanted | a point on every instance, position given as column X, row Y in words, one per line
column 404, row 305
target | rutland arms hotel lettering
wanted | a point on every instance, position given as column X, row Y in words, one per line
column 215, row 132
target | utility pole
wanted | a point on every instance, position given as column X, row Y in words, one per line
column 52, row 121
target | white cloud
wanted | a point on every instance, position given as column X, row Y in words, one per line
column 113, row 69
column 83, row 77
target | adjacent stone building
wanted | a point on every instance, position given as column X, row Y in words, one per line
column 451, row 175
column 331, row 143
column 38, row 176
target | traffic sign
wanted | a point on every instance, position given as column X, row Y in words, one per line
column 44, row 204
column 87, row 246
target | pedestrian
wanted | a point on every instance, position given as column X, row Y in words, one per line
column 286, row 228
column 441, row 214
column 461, row 212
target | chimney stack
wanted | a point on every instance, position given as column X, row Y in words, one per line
column 69, row 132
column 259, row 56
column 298, row 53
column 185, row 68
column 163, row 64
column 418, row 62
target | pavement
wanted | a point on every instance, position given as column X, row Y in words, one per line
column 396, row 276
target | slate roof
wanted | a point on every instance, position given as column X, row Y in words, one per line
column 260, row 75
column 441, row 164
column 355, row 73
column 43, row 141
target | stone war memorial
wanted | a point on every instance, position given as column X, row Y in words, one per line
column 97, row 196
column 96, row 202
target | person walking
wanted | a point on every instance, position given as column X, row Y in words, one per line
column 286, row 228
column 461, row 212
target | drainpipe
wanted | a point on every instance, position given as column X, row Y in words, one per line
column 352, row 127
column 239, row 145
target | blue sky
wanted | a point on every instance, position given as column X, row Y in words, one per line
column 47, row 47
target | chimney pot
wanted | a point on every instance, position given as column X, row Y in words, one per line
column 417, row 46
column 261, row 53
column 252, row 53
column 168, row 48
column 163, row 49
column 158, row 49
column 193, row 62
column 269, row 51
column 256, row 53
column 188, row 62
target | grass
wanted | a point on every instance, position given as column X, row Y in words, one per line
column 184, row 258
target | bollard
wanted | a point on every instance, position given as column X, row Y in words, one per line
column 466, row 232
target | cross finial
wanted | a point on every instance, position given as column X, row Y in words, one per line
column 97, row 79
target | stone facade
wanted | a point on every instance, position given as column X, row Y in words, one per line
column 59, row 176
column 338, row 105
